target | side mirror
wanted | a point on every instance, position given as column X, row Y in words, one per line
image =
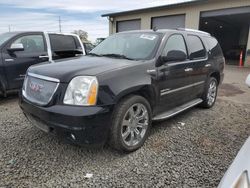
column 174, row 56
column 16, row 47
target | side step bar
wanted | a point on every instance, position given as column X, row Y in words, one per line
column 177, row 110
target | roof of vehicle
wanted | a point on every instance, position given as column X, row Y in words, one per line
column 22, row 32
column 164, row 31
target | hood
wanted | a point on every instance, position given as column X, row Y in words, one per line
column 65, row 70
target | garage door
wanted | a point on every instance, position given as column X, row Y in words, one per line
column 168, row 22
column 128, row 25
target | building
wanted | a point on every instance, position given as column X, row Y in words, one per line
column 227, row 20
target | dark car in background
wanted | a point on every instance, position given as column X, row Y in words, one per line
column 20, row 50
column 129, row 80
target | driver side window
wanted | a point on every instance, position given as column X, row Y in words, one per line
column 175, row 43
column 31, row 43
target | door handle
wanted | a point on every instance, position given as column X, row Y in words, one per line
column 208, row 65
column 43, row 56
column 8, row 60
column 188, row 69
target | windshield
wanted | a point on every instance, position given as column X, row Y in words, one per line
column 136, row 46
column 5, row 36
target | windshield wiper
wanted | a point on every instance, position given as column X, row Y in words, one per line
column 117, row 56
column 94, row 54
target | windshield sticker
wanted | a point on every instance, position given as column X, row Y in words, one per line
column 148, row 37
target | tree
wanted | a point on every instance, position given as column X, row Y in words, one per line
column 82, row 34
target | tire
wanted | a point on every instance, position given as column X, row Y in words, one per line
column 210, row 93
column 131, row 123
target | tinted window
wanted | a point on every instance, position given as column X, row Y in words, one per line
column 31, row 43
column 214, row 46
column 175, row 43
column 62, row 42
column 137, row 46
column 196, row 48
column 64, row 46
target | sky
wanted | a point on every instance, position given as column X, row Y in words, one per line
column 26, row 15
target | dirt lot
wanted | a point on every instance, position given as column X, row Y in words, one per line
column 196, row 154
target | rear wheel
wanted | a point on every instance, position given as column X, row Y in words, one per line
column 210, row 94
column 130, row 124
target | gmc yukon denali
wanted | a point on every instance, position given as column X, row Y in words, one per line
column 20, row 50
column 129, row 80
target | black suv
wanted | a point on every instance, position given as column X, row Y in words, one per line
column 126, row 82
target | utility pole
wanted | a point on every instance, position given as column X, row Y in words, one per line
column 60, row 26
column 9, row 28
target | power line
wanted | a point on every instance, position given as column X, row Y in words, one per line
column 60, row 26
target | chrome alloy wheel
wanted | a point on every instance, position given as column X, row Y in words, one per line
column 134, row 124
column 212, row 90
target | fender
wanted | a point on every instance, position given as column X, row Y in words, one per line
column 124, row 82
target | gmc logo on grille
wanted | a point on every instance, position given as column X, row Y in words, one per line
column 35, row 87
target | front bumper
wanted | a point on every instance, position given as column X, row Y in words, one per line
column 89, row 125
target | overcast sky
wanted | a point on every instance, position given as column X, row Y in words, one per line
column 75, row 14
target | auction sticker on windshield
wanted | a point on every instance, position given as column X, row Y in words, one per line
column 149, row 37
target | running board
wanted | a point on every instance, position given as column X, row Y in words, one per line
column 177, row 110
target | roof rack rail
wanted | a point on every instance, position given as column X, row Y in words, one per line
column 193, row 30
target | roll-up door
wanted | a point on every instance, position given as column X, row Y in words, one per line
column 168, row 22
column 128, row 25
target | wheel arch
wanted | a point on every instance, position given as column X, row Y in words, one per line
column 146, row 91
column 216, row 75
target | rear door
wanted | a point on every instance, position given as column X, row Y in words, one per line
column 174, row 82
column 64, row 46
column 200, row 67
column 17, row 63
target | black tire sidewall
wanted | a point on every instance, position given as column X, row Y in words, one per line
column 118, row 116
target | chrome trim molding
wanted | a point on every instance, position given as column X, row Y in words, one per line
column 44, row 77
column 181, row 88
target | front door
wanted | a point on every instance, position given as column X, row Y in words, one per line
column 174, row 82
column 16, row 63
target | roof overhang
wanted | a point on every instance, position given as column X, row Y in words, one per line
column 175, row 5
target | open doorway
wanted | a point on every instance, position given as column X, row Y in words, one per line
column 231, row 30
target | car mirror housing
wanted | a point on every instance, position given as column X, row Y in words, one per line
column 174, row 56
column 16, row 47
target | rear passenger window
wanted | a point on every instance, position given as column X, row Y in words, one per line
column 195, row 47
column 214, row 46
column 64, row 46
column 175, row 43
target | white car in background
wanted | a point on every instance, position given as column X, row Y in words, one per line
column 248, row 80
column 238, row 174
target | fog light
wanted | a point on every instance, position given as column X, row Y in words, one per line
column 73, row 136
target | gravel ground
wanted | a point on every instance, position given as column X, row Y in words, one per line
column 194, row 154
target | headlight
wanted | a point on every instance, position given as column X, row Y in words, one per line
column 82, row 90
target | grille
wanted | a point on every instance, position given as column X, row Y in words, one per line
column 39, row 89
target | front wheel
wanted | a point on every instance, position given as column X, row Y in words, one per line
column 130, row 124
column 210, row 94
